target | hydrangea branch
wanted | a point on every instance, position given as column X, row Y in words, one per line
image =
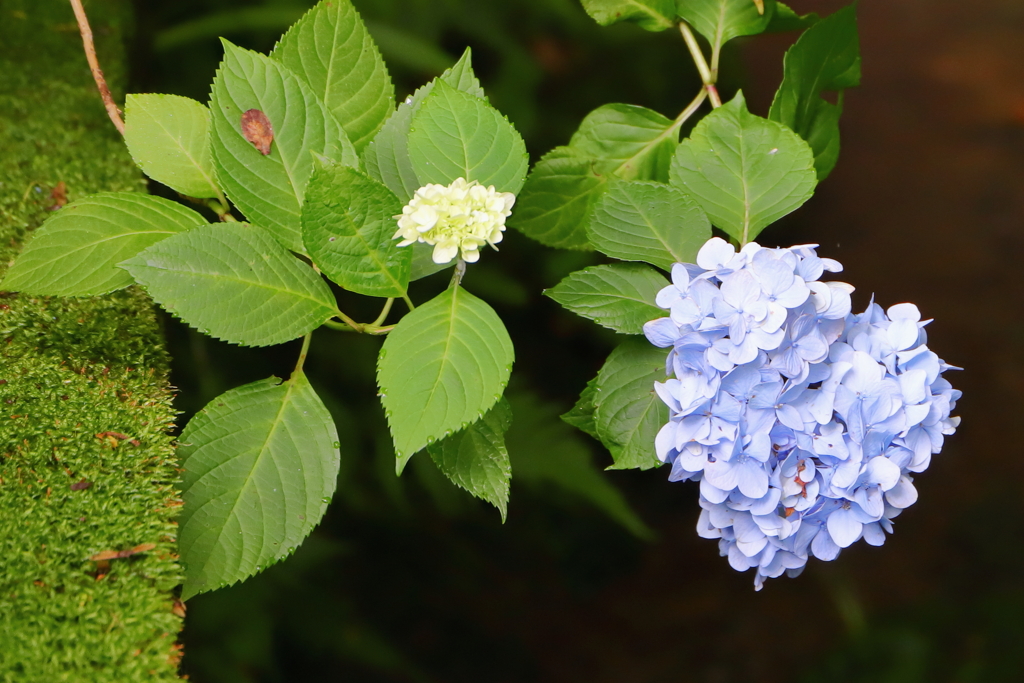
column 365, row 328
column 97, row 73
column 302, row 354
column 356, row 327
column 689, row 111
column 383, row 314
column 707, row 75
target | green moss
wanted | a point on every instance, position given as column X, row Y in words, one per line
column 84, row 398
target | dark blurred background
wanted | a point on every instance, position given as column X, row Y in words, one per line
column 599, row 576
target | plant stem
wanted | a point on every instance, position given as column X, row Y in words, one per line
column 408, row 302
column 691, row 108
column 373, row 330
column 707, row 76
column 224, row 210
column 383, row 314
column 97, row 74
column 356, row 327
column 220, row 207
column 460, row 270
column 341, row 327
column 302, row 355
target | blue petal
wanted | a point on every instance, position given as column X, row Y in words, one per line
column 844, row 527
column 823, row 547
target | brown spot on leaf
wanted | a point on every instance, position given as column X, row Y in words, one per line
column 257, row 129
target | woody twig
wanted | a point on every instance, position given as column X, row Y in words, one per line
column 94, row 65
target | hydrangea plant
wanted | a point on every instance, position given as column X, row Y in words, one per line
column 802, row 422
column 307, row 144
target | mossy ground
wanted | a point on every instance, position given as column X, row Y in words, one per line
column 86, row 464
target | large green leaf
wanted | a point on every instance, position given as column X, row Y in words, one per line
column 169, row 138
column 348, row 222
column 582, row 414
column 826, row 57
column 615, row 140
column 476, row 458
column 647, row 221
column 387, row 156
column 746, row 172
column 618, row 296
column 653, row 15
column 260, row 466
column 556, row 198
column 443, row 366
column 76, row 251
column 269, row 188
column 456, row 135
column 548, row 454
column 628, row 413
column 722, row 20
column 234, row 282
column 632, row 142
column 330, row 48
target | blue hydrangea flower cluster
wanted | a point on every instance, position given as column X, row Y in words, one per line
column 803, row 422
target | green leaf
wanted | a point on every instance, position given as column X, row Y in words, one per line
column 722, row 20
column 618, row 296
column 653, row 15
column 632, row 142
column 443, row 366
column 556, row 198
column 582, row 414
column 628, row 413
column 550, row 456
column 746, row 172
column 462, row 77
column 331, row 50
column 785, row 19
column 387, row 156
column 260, row 466
column 826, row 57
column 76, row 251
column 169, row 138
column 348, row 222
column 476, row 458
column 618, row 140
column 456, row 135
column 647, row 221
column 234, row 282
column 269, row 189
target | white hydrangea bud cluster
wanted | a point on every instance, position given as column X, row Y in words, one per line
column 461, row 217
